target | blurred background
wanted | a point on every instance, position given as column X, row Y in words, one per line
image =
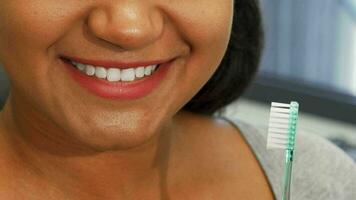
column 309, row 57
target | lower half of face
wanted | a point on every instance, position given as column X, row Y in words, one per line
column 53, row 55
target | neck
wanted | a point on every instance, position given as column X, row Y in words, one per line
column 75, row 169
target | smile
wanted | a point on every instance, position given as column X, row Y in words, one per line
column 116, row 80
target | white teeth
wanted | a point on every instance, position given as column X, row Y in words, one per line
column 100, row 72
column 148, row 70
column 90, row 70
column 113, row 74
column 128, row 74
column 80, row 66
column 140, row 72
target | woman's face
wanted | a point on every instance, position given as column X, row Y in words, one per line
column 36, row 35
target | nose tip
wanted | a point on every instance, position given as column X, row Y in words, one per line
column 128, row 26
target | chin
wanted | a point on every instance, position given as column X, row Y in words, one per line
column 122, row 136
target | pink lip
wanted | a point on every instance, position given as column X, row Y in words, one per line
column 114, row 64
column 118, row 90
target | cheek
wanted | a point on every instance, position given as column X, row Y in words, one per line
column 26, row 26
column 207, row 29
column 27, row 31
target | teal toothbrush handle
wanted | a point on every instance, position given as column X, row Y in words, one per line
column 288, row 174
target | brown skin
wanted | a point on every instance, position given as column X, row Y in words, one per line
column 59, row 141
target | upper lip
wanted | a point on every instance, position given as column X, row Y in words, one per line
column 114, row 64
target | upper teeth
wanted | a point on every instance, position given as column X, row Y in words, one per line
column 115, row 74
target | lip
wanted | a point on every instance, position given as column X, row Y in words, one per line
column 120, row 90
column 114, row 64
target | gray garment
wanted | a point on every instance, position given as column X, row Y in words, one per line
column 321, row 170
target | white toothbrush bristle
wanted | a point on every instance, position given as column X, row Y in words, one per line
column 275, row 104
column 278, row 130
column 280, row 110
column 279, row 120
column 278, row 126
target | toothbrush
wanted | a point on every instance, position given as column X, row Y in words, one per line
column 281, row 135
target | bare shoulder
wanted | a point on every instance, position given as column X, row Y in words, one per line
column 217, row 158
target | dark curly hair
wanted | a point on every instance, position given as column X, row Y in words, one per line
column 239, row 64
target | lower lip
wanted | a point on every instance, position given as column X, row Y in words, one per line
column 119, row 90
